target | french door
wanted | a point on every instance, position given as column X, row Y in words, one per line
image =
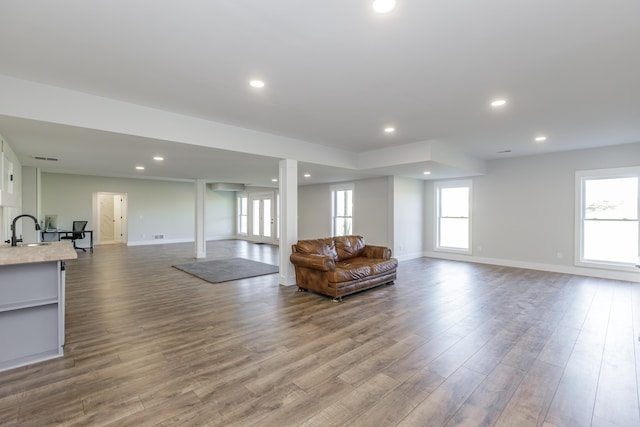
column 262, row 218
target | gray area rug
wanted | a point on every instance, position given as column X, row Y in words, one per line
column 224, row 270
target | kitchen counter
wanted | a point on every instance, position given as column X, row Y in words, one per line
column 51, row 251
column 32, row 302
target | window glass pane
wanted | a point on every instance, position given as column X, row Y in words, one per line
column 343, row 203
column 342, row 226
column 340, row 205
column 266, row 218
column 610, row 220
column 454, row 202
column 454, row 233
column 611, row 241
column 243, row 224
column 611, row 198
column 243, row 206
column 346, row 226
column 348, row 204
column 256, row 218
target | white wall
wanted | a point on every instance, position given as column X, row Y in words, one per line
column 314, row 211
column 31, row 200
column 154, row 207
column 372, row 211
column 523, row 209
column 220, row 214
column 408, row 218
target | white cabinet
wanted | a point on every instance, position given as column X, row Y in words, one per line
column 31, row 313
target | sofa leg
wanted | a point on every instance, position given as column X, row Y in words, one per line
column 336, row 299
column 391, row 283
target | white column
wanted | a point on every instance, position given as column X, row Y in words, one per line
column 288, row 182
column 200, row 231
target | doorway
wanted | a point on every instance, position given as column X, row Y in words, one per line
column 262, row 218
column 110, row 212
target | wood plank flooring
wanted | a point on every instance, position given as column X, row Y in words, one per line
column 451, row 343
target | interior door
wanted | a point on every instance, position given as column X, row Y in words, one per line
column 112, row 218
column 107, row 219
column 262, row 218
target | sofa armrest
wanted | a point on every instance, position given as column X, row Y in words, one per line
column 314, row 261
column 382, row 252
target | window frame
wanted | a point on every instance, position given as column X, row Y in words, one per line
column 438, row 187
column 334, row 190
column 239, row 214
column 581, row 177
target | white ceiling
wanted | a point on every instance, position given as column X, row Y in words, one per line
column 336, row 74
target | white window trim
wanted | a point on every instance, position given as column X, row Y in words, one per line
column 452, row 184
column 339, row 187
column 238, row 197
column 626, row 172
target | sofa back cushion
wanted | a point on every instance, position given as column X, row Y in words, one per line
column 318, row 246
column 349, row 246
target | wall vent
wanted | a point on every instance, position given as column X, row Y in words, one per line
column 158, row 236
column 51, row 159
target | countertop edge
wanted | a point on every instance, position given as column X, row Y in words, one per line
column 53, row 251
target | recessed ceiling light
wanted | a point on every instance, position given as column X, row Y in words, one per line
column 274, row 179
column 256, row 83
column 158, row 158
column 498, row 102
column 383, row 6
column 389, row 129
column 541, row 138
column 307, row 175
column 426, row 173
column 140, row 168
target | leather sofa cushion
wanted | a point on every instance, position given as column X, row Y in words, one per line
column 318, row 246
column 349, row 246
column 359, row 268
column 386, row 266
column 347, row 272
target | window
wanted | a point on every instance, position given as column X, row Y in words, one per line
column 608, row 217
column 342, row 210
column 242, row 214
column 453, row 225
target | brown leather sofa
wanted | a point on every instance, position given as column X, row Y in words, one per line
column 341, row 265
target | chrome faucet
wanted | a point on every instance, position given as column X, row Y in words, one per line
column 14, row 239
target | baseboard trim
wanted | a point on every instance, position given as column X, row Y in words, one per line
column 409, row 257
column 167, row 241
column 158, row 242
column 574, row 270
